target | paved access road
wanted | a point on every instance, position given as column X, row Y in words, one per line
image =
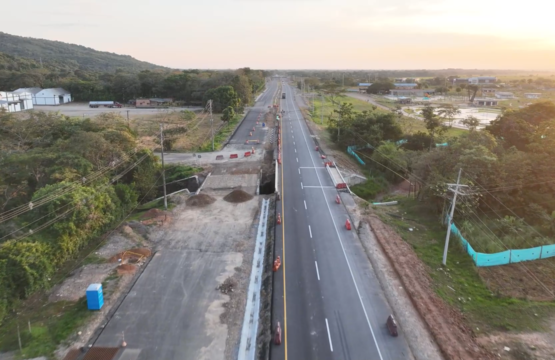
column 326, row 294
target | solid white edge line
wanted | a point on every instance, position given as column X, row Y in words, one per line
column 329, row 335
column 310, row 231
column 340, row 242
column 317, row 272
column 304, row 204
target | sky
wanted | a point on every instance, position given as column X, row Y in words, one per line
column 302, row 34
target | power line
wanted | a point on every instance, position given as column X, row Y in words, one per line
column 59, row 217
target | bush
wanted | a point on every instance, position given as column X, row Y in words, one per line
column 370, row 188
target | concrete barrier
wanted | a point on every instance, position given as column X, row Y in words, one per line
column 233, row 156
column 219, row 157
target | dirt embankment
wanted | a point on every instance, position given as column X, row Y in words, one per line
column 455, row 340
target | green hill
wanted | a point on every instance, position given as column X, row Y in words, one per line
column 63, row 56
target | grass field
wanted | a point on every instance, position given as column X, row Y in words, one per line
column 460, row 284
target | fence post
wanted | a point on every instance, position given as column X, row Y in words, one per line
column 541, row 251
column 510, row 257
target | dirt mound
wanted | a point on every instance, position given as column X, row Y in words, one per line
column 132, row 255
column 200, row 200
column 126, row 269
column 152, row 213
column 446, row 324
column 238, row 196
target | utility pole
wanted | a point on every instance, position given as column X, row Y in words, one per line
column 211, row 122
column 163, row 168
column 343, row 81
column 456, row 191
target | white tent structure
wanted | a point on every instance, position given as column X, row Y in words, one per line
column 15, row 102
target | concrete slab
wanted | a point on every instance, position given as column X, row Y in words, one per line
column 230, row 181
column 156, row 315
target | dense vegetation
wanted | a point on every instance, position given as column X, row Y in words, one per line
column 68, row 57
column 63, row 182
column 93, row 75
column 509, row 168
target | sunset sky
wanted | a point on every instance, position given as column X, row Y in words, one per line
column 301, row 34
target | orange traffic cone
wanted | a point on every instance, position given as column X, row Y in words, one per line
column 250, row 134
column 338, row 199
column 348, row 224
column 253, row 128
column 278, row 219
column 252, row 149
column 277, row 264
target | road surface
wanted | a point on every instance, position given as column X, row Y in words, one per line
column 326, row 295
column 237, row 144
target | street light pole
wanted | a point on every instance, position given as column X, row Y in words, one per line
column 322, row 110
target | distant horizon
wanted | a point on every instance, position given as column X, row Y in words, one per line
column 304, row 34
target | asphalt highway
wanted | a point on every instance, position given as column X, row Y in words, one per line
column 326, row 294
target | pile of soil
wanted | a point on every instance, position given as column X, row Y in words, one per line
column 200, row 200
column 126, row 269
column 152, row 213
column 238, row 196
column 136, row 254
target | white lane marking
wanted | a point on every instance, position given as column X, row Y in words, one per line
column 293, row 143
column 310, row 231
column 297, row 159
column 295, row 150
column 302, row 187
column 317, row 272
column 341, row 243
column 299, row 171
column 304, row 204
column 320, row 187
column 329, row 335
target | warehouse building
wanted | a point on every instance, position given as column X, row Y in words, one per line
column 53, row 96
column 12, row 102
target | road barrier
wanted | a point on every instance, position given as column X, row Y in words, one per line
column 219, row 157
column 250, row 134
column 233, row 156
column 277, row 264
column 338, row 199
column 247, row 154
column 348, row 225
column 278, row 219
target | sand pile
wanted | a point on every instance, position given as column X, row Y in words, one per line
column 152, row 213
column 200, row 200
column 238, row 196
column 126, row 269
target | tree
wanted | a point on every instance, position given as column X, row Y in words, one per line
column 228, row 114
column 472, row 91
column 243, row 88
column 346, row 114
column 382, row 86
column 448, row 112
column 418, row 142
column 471, row 122
column 434, row 123
column 222, row 97
column 332, row 89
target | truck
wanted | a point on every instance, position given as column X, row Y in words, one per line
column 283, row 96
column 108, row 104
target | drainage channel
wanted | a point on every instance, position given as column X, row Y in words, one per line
column 247, row 346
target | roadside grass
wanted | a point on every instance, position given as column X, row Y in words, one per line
column 369, row 189
column 221, row 135
column 50, row 325
column 459, row 283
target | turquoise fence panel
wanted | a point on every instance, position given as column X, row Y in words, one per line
column 473, row 254
column 547, row 251
column 525, row 254
column 500, row 258
column 444, row 144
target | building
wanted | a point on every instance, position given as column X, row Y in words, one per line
column 485, row 102
column 533, row 95
column 482, row 80
column 405, row 86
column 15, row 102
column 142, row 103
column 54, row 96
column 161, row 101
column 412, row 92
column 458, row 81
column 403, row 100
column 504, row 95
column 362, row 87
column 488, row 91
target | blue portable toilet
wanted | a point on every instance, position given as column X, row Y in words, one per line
column 263, row 124
column 95, row 299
